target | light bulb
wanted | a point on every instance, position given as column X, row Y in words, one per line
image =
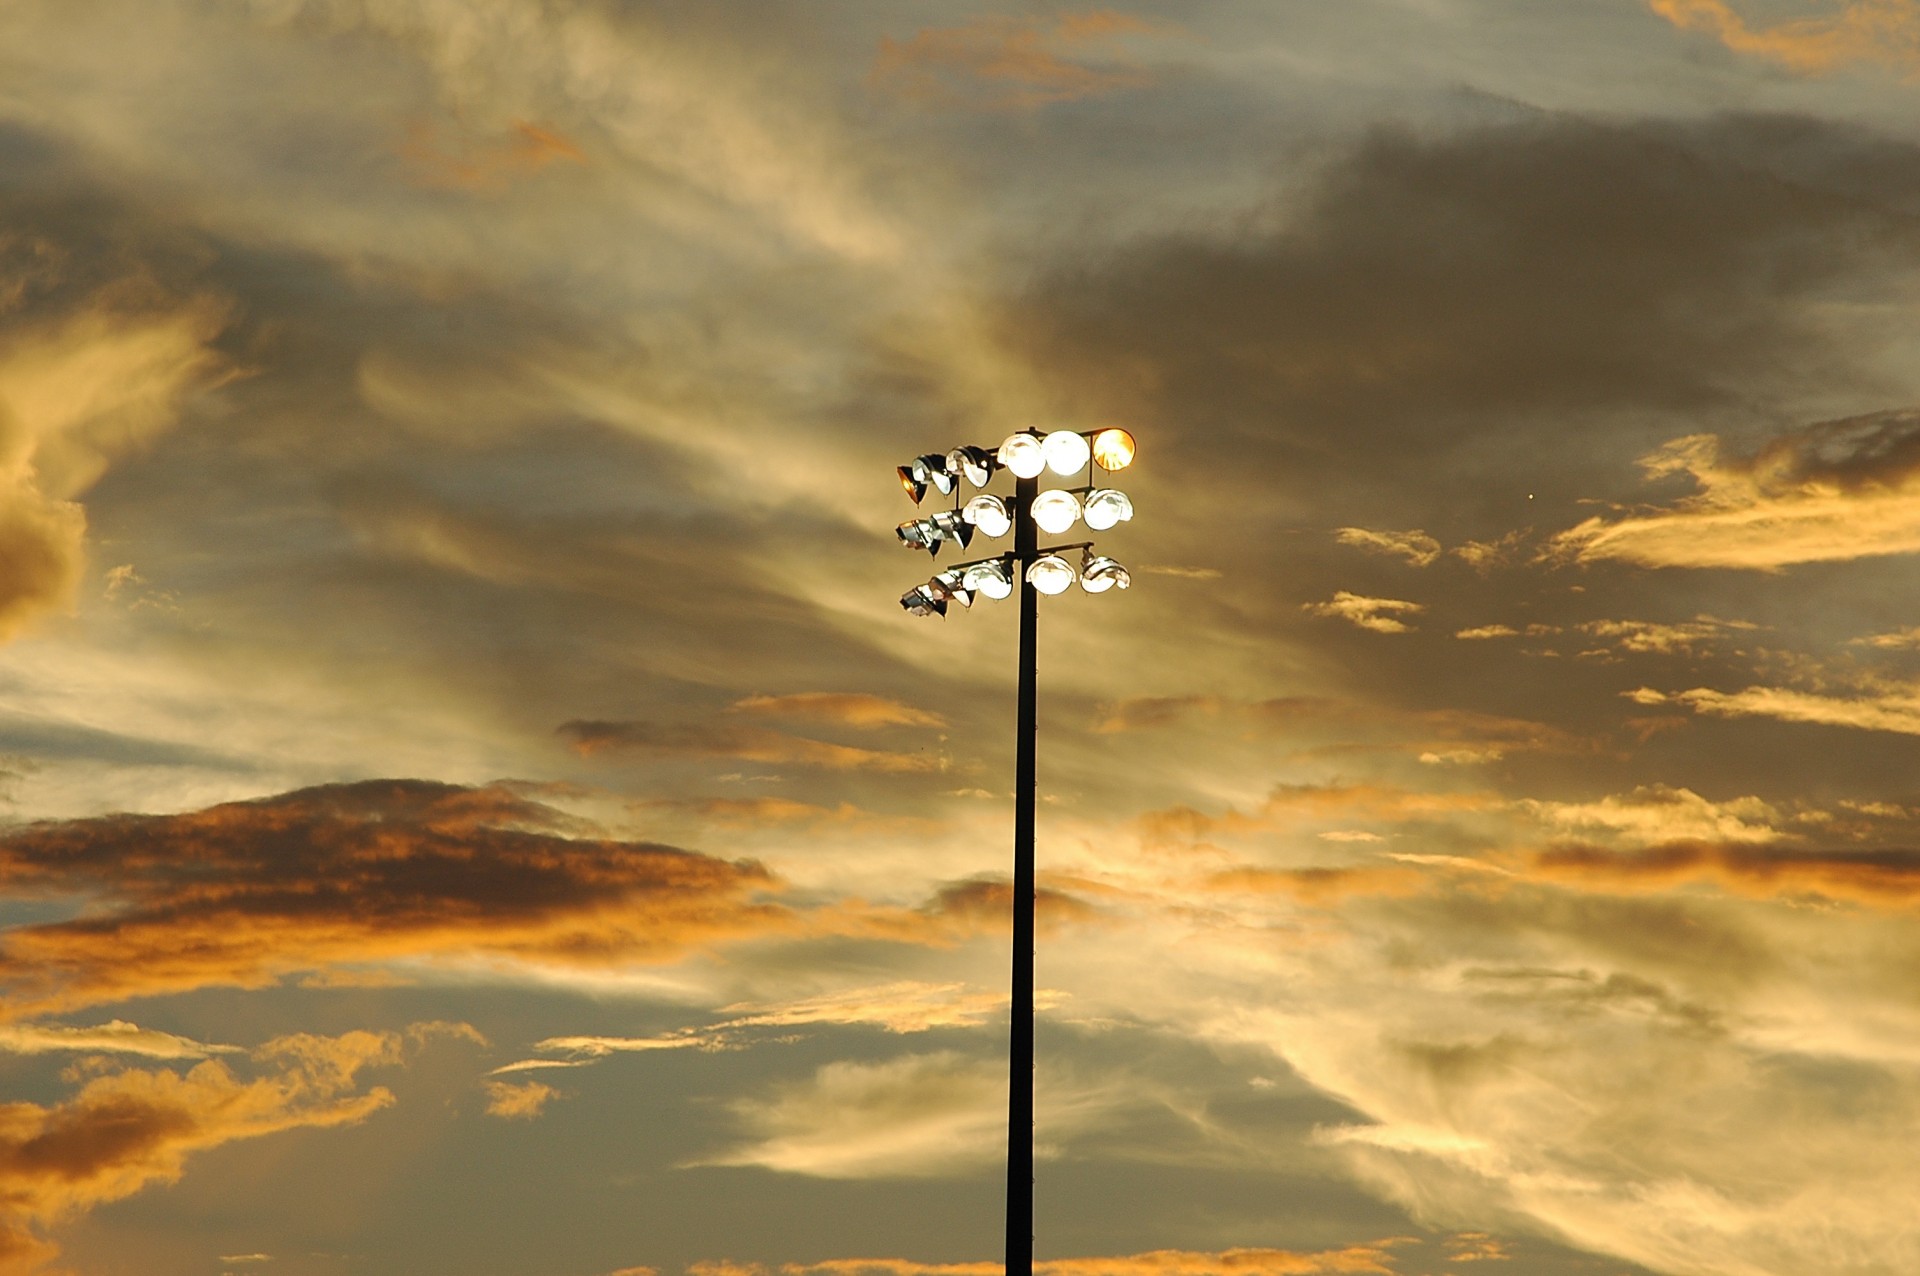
column 1056, row 511
column 1021, row 453
column 994, row 579
column 1050, row 574
column 1066, row 451
column 1105, row 507
column 1113, row 449
column 989, row 514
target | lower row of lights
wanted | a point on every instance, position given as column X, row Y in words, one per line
column 1049, row 573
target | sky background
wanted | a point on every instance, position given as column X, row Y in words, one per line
column 473, row 804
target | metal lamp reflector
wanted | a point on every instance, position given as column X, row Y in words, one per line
column 1113, row 449
column 1105, row 507
column 1056, row 511
column 1021, row 453
column 1050, row 574
column 989, row 514
column 1066, row 451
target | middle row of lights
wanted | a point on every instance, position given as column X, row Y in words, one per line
column 1064, row 452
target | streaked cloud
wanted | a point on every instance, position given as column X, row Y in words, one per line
column 518, row 1100
column 1381, row 615
column 116, row 1036
column 1896, row 710
column 1416, row 546
column 846, row 708
column 1884, row 32
column 242, row 894
column 999, row 62
column 749, row 744
column 485, row 164
column 1657, row 813
column 1839, row 490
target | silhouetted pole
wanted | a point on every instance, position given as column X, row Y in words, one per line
column 1020, row 1052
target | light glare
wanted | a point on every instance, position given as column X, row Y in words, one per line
column 994, row 579
column 1056, row 511
column 1105, row 507
column 1113, row 449
column 1050, row 574
column 1021, row 453
column 1066, row 451
column 989, row 514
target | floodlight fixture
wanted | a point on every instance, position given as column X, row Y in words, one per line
column 989, row 514
column 976, row 464
column 1113, row 449
column 914, row 488
column 951, row 584
column 1098, row 573
column 1066, row 451
column 919, row 602
column 1032, row 570
column 1105, row 507
column 994, row 578
column 1056, row 511
column 1050, row 574
column 1022, row 454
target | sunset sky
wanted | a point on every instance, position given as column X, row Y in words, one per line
column 472, row 805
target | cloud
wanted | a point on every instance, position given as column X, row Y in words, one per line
column 1377, row 614
column 1830, row 492
column 1416, row 546
column 116, row 1036
column 1487, row 631
column 749, row 744
column 1889, row 878
column 1008, row 63
column 1886, row 32
column 83, row 381
column 244, row 893
column 466, row 163
column 1375, row 1259
column 846, row 708
column 904, row 1006
column 518, row 1101
column 917, row 1116
column 1892, row 710
column 1644, row 637
column 127, row 1129
column 1657, row 813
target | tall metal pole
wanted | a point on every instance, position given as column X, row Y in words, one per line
column 1020, row 1051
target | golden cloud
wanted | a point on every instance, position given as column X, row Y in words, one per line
column 748, row 744
column 1416, row 546
column 466, row 163
column 244, row 893
column 1378, row 614
column 1886, row 32
column 131, row 1128
column 1831, row 492
column 518, row 1100
column 1888, row 878
column 846, row 708
column 1374, row 1259
column 75, row 391
column 1001, row 62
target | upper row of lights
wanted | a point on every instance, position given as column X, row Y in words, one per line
column 1065, row 452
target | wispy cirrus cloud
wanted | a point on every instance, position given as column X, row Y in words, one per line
column 1830, row 492
column 1415, row 546
column 116, row 1036
column 1014, row 63
column 1381, row 615
column 748, row 744
column 1883, row 32
column 844, row 708
column 1895, row 709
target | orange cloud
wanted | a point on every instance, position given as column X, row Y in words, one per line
column 1375, row 1259
column 1002, row 63
column 488, row 165
column 748, row 744
column 1877, row 31
column 847, row 708
column 518, row 1100
column 1882, row 878
column 130, row 1128
column 244, row 893
column 1377, row 614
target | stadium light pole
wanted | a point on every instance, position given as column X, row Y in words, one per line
column 1027, row 454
